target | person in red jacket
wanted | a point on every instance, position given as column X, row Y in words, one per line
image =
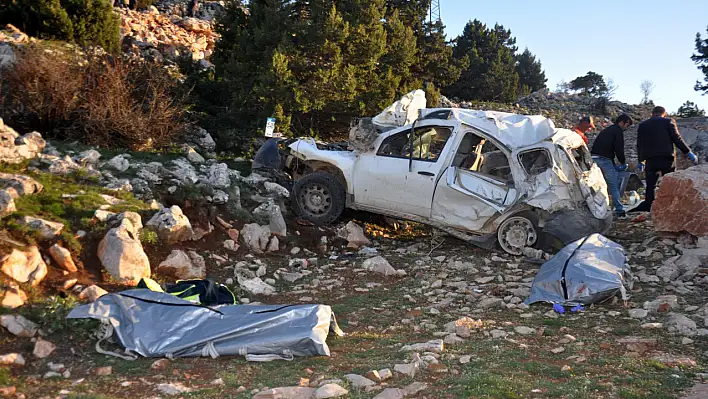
column 584, row 125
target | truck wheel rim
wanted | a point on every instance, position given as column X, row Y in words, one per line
column 516, row 233
column 316, row 199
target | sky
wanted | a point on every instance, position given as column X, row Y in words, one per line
column 625, row 40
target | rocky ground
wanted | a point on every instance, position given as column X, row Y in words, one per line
column 424, row 315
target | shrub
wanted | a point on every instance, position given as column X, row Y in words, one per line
column 102, row 100
column 86, row 22
column 143, row 4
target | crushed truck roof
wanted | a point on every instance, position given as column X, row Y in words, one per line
column 511, row 130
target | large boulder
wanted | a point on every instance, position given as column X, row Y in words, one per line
column 682, row 202
column 183, row 266
column 45, row 229
column 23, row 267
column 171, row 225
column 15, row 148
column 19, row 185
column 122, row 254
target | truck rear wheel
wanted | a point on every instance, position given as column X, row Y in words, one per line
column 319, row 197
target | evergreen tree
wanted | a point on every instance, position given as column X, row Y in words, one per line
column 592, row 84
column 491, row 74
column 531, row 75
column 701, row 60
column 689, row 109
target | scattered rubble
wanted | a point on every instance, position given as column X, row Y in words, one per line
column 18, row 325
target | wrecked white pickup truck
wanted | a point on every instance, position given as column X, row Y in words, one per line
column 481, row 176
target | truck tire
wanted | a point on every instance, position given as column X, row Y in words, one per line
column 319, row 197
column 518, row 231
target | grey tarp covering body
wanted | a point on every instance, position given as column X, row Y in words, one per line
column 156, row 324
column 586, row 271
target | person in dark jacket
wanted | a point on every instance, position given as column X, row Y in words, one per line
column 656, row 138
column 608, row 145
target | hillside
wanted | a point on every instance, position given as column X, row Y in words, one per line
column 125, row 182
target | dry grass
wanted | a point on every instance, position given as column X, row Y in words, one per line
column 100, row 100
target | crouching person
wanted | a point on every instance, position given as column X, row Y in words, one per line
column 609, row 145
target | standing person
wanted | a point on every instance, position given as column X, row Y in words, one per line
column 608, row 145
column 584, row 125
column 656, row 138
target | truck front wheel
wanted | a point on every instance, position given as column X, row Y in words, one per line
column 319, row 197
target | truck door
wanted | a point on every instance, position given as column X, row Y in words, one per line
column 387, row 180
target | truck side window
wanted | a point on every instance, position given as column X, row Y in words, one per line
column 428, row 144
column 535, row 162
column 478, row 155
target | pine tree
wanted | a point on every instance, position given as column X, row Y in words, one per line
column 531, row 75
column 701, row 60
column 689, row 109
column 592, row 84
column 491, row 74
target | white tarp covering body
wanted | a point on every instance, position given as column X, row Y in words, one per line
column 156, row 324
column 589, row 270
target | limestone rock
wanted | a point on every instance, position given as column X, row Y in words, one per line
column 18, row 325
column 330, row 391
column 391, row 393
column 682, row 202
column 119, row 163
column 255, row 286
column 379, row 265
column 286, row 393
column 358, row 381
column 25, row 266
column 256, row 237
column 173, row 389
column 19, row 185
column 276, row 190
column 638, row 313
column 193, row 156
column 15, row 149
column 414, row 388
column 47, row 230
column 43, row 348
column 354, row 234
column 680, row 324
column 13, row 297
column 270, row 213
column 12, row 359
column 662, row 304
column 667, row 272
column 183, row 171
column 92, row 293
column 218, row 175
column 62, row 257
column 435, row 346
column 88, row 157
column 179, row 265
column 523, row 330
column 7, row 204
column 171, row 225
column 122, row 254
column 201, row 138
